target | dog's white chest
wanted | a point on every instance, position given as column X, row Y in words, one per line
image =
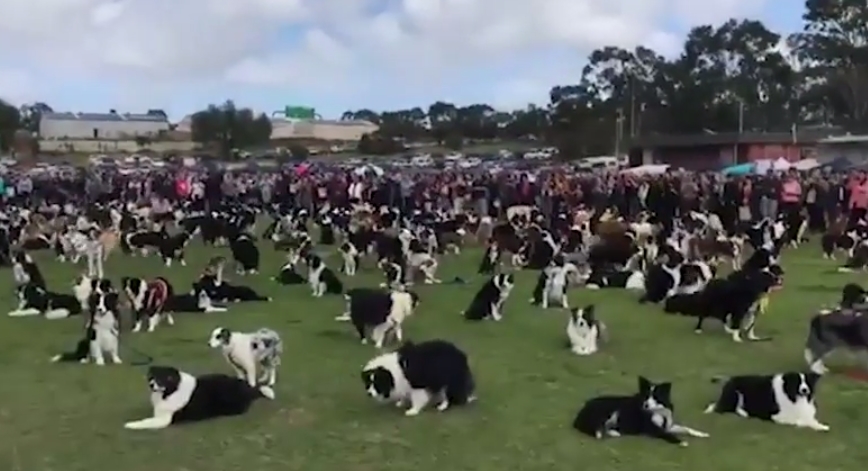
column 583, row 341
column 795, row 413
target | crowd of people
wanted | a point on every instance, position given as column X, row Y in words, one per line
column 822, row 194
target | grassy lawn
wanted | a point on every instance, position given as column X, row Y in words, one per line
column 70, row 417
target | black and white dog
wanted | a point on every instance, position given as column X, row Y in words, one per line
column 350, row 257
column 172, row 248
column 288, row 275
column 843, row 328
column 245, row 253
column 379, row 311
column 488, row 301
column 417, row 374
column 148, row 300
column 101, row 335
column 179, row 397
column 784, row 398
column 553, row 283
column 584, row 331
column 254, row 356
column 321, row 278
column 34, row 300
column 649, row 412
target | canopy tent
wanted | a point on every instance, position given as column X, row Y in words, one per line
column 365, row 169
column 647, row 170
column 839, row 164
column 740, row 169
column 806, row 164
column 766, row 165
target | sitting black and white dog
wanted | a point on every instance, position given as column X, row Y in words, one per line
column 34, row 300
column 393, row 272
column 254, row 356
column 490, row 260
column 584, row 331
column 288, row 275
column 26, row 271
column 379, row 311
column 350, row 257
column 417, row 374
column 101, row 335
column 245, row 253
column 488, row 301
column 649, row 412
column 552, row 285
column 179, row 397
column 321, row 278
column 784, row 398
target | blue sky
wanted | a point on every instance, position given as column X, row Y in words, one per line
column 333, row 55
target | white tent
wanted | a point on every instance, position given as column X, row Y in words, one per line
column 781, row 164
column 647, row 170
column 364, row 169
column 806, row 164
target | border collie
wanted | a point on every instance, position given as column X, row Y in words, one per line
column 321, row 278
column 288, row 274
column 488, row 301
column 26, row 271
column 490, row 260
column 86, row 286
column 734, row 299
column 148, row 300
column 379, row 311
column 784, row 398
column 197, row 301
column 843, row 328
column 34, row 300
column 555, row 283
column 393, row 272
column 179, row 397
column 101, row 336
column 649, row 412
column 584, row 331
column 416, row 374
column 350, row 258
column 245, row 253
column 142, row 241
column 254, row 356
column 172, row 248
column 222, row 291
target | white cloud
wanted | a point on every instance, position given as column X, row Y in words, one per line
column 133, row 43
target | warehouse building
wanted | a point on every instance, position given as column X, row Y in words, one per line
column 102, row 126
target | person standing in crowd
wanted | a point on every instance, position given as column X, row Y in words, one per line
column 858, row 204
column 791, row 198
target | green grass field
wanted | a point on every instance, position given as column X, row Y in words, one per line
column 70, row 417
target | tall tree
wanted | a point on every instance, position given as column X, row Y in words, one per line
column 228, row 127
column 10, row 122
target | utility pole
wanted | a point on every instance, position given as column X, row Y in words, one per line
column 632, row 106
column 619, row 131
column 740, row 131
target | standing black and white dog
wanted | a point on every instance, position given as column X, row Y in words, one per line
column 488, row 301
column 179, row 397
column 148, row 300
column 844, row 328
column 379, row 311
column 254, row 356
column 553, row 283
column 245, row 253
column 649, row 412
column 584, row 331
column 784, row 398
column 417, row 374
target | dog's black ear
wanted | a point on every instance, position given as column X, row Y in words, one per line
column 590, row 313
column 664, row 390
column 644, row 384
column 811, row 378
column 574, row 314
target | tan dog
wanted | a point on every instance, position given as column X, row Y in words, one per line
column 109, row 239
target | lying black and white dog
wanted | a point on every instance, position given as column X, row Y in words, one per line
column 584, row 331
column 179, row 397
column 649, row 412
column 222, row 291
column 288, row 275
column 784, row 398
column 488, row 301
column 101, row 335
column 417, row 374
column 379, row 311
column 34, row 300
column 254, row 356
